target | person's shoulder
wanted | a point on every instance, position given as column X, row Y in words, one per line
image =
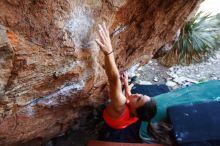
column 115, row 112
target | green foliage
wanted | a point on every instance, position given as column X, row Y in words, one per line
column 199, row 38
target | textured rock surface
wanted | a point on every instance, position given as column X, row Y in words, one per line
column 50, row 66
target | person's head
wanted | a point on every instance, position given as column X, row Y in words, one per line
column 143, row 107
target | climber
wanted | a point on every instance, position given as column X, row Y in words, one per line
column 124, row 113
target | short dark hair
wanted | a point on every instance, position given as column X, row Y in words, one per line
column 147, row 111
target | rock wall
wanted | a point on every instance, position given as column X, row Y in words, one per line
column 51, row 67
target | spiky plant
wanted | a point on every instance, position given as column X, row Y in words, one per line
column 218, row 31
column 196, row 43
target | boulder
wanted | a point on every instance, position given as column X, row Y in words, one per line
column 51, row 67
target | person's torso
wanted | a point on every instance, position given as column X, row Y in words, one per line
column 124, row 120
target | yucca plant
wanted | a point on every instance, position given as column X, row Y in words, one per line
column 218, row 31
column 196, row 43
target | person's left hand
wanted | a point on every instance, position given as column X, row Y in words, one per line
column 104, row 42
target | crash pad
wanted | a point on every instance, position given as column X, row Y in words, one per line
column 206, row 91
column 195, row 124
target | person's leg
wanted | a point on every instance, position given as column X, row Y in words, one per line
column 129, row 134
column 109, row 134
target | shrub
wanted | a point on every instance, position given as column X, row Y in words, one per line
column 198, row 40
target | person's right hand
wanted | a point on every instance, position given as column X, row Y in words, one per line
column 104, row 42
column 124, row 78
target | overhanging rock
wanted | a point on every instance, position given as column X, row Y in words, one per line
column 51, row 66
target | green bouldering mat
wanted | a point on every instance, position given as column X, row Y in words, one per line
column 202, row 92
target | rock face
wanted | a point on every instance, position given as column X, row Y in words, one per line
column 51, row 67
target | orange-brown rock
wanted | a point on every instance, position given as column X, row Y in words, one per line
column 51, row 67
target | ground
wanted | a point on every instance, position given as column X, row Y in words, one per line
column 179, row 76
column 152, row 73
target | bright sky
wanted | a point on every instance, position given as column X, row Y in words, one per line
column 212, row 6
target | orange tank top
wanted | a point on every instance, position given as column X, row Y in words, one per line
column 121, row 122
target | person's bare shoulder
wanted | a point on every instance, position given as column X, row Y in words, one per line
column 113, row 112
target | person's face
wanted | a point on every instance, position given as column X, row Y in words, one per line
column 137, row 100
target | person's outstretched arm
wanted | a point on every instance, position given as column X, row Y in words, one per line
column 118, row 100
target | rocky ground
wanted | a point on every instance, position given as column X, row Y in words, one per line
column 178, row 76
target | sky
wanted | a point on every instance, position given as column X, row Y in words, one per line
column 212, row 6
